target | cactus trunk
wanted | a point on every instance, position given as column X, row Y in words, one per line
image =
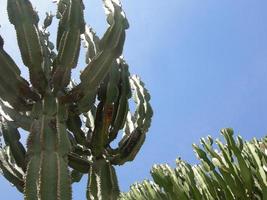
column 47, row 175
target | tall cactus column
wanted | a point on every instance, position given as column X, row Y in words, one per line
column 70, row 126
column 47, row 174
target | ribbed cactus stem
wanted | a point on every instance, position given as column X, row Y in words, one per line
column 12, row 137
column 102, row 182
column 47, row 174
column 10, row 171
column 25, row 21
column 71, row 26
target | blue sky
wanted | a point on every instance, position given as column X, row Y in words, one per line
column 204, row 63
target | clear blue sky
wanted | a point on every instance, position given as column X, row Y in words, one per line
column 205, row 64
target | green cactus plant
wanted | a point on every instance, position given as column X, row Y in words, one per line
column 70, row 126
column 237, row 171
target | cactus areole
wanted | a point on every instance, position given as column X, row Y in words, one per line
column 70, row 127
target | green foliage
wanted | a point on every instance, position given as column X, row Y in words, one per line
column 236, row 171
column 70, row 126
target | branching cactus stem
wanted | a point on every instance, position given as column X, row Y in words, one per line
column 70, row 127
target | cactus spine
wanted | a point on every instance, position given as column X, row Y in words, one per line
column 70, row 126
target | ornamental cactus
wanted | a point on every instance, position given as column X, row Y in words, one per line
column 70, row 126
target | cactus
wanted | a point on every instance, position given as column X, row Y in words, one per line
column 237, row 171
column 70, row 126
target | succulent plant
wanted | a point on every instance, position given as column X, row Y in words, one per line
column 236, row 170
column 70, row 126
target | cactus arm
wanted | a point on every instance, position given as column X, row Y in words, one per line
column 102, row 181
column 9, row 171
column 144, row 110
column 18, row 88
column 115, row 14
column 91, row 41
column 100, row 132
column 120, row 115
column 7, row 62
column 25, row 20
column 136, row 126
column 74, row 125
column 90, row 121
column 12, row 137
column 108, row 94
column 71, row 26
column 20, row 119
column 93, row 75
column 10, row 71
column 121, row 106
column 99, row 61
column 63, row 6
column 104, row 54
column 129, row 147
column 8, row 94
column 101, row 64
column 112, row 90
